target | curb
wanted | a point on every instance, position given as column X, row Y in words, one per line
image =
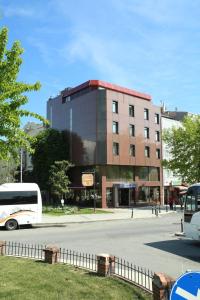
column 65, row 223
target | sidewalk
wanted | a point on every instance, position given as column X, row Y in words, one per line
column 115, row 214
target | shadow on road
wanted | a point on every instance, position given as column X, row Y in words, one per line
column 185, row 248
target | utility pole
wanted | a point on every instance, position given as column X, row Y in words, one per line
column 21, row 152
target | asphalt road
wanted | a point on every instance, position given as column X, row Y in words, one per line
column 148, row 243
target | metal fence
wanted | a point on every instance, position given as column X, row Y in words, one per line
column 82, row 260
column 119, row 267
column 24, row 250
column 139, row 276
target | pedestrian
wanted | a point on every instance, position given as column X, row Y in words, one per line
column 171, row 202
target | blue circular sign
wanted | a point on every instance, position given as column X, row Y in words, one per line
column 186, row 287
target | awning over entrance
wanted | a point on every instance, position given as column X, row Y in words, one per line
column 125, row 185
column 181, row 188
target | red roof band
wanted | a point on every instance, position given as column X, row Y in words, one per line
column 109, row 86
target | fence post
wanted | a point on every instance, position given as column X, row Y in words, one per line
column 2, row 247
column 162, row 285
column 51, row 254
column 105, row 264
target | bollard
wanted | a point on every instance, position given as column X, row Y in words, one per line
column 152, row 209
column 181, row 225
column 132, row 213
column 156, row 211
column 166, row 208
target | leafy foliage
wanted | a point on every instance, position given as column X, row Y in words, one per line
column 49, row 146
column 184, row 145
column 58, row 179
column 12, row 97
column 8, row 170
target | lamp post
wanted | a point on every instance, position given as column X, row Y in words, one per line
column 21, row 165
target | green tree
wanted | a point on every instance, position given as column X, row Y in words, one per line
column 184, row 145
column 49, row 146
column 12, row 98
column 8, row 170
column 58, row 179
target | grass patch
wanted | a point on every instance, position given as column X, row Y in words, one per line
column 71, row 210
column 23, row 279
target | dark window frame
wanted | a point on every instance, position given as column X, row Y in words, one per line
column 18, row 197
column 132, row 150
column 131, row 110
column 146, row 114
column 158, row 153
column 147, row 151
column 157, row 118
column 157, row 136
column 115, row 107
column 115, row 148
column 146, row 132
column 115, row 127
column 131, row 130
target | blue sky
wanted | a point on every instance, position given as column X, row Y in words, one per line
column 152, row 46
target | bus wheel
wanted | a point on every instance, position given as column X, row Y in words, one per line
column 11, row 224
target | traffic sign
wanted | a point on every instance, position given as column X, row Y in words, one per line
column 186, row 287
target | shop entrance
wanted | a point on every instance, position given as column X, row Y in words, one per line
column 124, row 194
column 124, row 197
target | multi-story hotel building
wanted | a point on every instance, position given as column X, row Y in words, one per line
column 116, row 132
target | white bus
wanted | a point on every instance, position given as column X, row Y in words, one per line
column 20, row 204
column 192, row 212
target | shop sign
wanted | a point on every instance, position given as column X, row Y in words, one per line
column 87, row 179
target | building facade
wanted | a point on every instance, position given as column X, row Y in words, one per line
column 116, row 132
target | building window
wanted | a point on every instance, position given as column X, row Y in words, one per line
column 146, row 114
column 131, row 130
column 158, row 153
column 131, row 111
column 157, row 119
column 147, row 151
column 115, row 107
column 132, row 150
column 115, row 148
column 115, row 127
column 157, row 136
column 66, row 99
column 146, row 132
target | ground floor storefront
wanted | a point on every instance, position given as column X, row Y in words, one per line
column 118, row 186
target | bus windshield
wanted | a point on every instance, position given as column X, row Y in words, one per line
column 190, row 203
column 192, row 198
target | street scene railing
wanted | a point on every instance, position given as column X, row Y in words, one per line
column 24, row 250
column 119, row 267
column 77, row 259
column 140, row 276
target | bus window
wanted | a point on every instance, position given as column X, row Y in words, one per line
column 18, row 197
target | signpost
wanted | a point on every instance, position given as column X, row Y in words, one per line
column 187, row 287
column 88, row 179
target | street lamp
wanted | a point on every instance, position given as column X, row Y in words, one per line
column 21, row 165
